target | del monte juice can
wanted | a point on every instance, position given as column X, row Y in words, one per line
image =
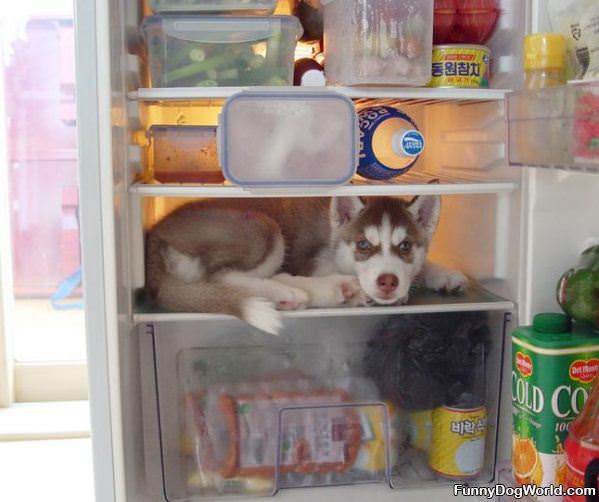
column 553, row 371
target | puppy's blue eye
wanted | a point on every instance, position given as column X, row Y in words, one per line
column 363, row 245
column 405, row 247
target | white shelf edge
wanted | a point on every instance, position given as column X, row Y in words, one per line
column 183, row 190
column 337, row 312
column 569, row 168
column 426, row 93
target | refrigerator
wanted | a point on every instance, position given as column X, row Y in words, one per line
column 511, row 221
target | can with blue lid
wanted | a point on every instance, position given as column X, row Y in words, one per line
column 390, row 142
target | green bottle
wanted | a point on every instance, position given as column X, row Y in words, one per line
column 554, row 366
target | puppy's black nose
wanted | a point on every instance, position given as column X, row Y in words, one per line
column 387, row 283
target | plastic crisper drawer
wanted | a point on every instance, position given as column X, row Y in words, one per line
column 288, row 138
column 379, row 42
column 263, row 7
column 229, row 410
column 192, row 51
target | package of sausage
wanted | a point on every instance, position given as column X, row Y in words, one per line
column 318, row 439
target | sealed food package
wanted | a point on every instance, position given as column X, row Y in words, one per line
column 378, row 41
column 578, row 21
column 347, row 443
column 318, row 440
column 421, row 362
column 267, row 425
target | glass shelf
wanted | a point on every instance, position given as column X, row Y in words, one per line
column 411, row 183
column 476, row 298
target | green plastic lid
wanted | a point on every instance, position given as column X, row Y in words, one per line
column 552, row 323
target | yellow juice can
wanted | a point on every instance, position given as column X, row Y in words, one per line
column 458, row 441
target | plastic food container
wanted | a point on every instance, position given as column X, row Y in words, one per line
column 385, row 42
column 179, row 154
column 186, row 51
column 288, row 138
column 262, row 7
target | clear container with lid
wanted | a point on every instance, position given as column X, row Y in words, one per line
column 194, row 51
column 387, row 42
column 544, row 60
column 262, row 7
column 180, row 154
column 288, row 138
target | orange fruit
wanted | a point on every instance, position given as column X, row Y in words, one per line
column 560, row 474
column 525, row 461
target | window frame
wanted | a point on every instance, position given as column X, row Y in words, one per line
column 6, row 362
column 26, row 381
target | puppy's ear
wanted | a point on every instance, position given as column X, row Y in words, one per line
column 343, row 209
column 426, row 210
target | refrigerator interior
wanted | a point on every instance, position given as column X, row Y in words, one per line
column 509, row 228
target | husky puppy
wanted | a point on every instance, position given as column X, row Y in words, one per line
column 252, row 257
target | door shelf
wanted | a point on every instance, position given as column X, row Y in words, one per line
column 476, row 298
column 416, row 183
column 574, row 168
column 555, row 128
column 417, row 94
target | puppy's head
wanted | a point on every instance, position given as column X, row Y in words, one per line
column 384, row 242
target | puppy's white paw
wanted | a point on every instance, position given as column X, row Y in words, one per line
column 334, row 290
column 446, row 280
column 289, row 298
column 360, row 299
column 261, row 314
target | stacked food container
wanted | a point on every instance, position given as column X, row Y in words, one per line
column 191, row 43
column 239, row 43
column 229, row 43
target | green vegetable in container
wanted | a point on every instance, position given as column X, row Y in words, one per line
column 180, row 62
column 197, row 54
column 207, row 83
column 215, row 62
column 256, row 61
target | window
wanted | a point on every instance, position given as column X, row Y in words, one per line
column 42, row 342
